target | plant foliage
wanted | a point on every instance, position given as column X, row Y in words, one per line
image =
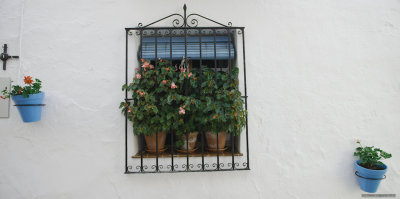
column 32, row 87
column 370, row 157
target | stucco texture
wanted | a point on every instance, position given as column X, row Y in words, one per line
column 319, row 74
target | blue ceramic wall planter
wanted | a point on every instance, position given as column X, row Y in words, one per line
column 29, row 108
column 369, row 179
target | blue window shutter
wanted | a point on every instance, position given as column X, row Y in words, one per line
column 223, row 43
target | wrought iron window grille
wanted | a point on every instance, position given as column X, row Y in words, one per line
column 237, row 156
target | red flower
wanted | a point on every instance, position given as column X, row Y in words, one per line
column 164, row 81
column 2, row 97
column 20, row 90
column 28, row 80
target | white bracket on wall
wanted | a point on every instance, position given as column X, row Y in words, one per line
column 5, row 103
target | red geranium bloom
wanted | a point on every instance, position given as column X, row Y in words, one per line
column 28, row 80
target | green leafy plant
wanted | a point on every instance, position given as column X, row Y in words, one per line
column 158, row 100
column 32, row 87
column 223, row 106
column 172, row 99
column 370, row 157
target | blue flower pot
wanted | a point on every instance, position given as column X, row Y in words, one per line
column 369, row 179
column 29, row 113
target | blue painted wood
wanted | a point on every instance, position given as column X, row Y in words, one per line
column 193, row 48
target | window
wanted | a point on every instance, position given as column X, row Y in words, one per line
column 219, row 50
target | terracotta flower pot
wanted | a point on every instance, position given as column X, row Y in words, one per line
column 192, row 141
column 151, row 142
column 212, row 141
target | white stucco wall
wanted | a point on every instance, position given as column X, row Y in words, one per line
column 320, row 73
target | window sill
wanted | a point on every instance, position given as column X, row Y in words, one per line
column 167, row 154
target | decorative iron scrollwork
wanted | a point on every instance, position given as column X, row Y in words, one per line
column 185, row 21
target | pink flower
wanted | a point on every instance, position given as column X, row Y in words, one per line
column 183, row 69
column 151, row 66
column 173, row 86
column 235, row 114
column 145, row 65
column 176, row 68
column 190, row 74
column 215, row 116
column 149, row 106
column 129, row 110
column 138, row 76
column 164, row 81
column 358, row 140
column 167, row 69
column 142, row 60
column 136, row 69
column 181, row 111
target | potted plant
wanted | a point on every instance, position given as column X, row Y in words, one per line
column 369, row 169
column 224, row 107
column 191, row 113
column 28, row 99
column 156, row 99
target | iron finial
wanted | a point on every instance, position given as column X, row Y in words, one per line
column 184, row 6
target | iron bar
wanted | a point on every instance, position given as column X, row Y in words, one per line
column 230, row 78
column 201, row 90
column 178, row 28
column 126, row 96
column 245, row 101
column 156, row 150
column 155, row 65
column 216, row 82
column 172, row 133
column 141, row 135
column 185, row 83
column 181, row 171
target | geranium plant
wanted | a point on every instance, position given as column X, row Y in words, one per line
column 370, row 157
column 223, row 104
column 31, row 87
column 158, row 100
